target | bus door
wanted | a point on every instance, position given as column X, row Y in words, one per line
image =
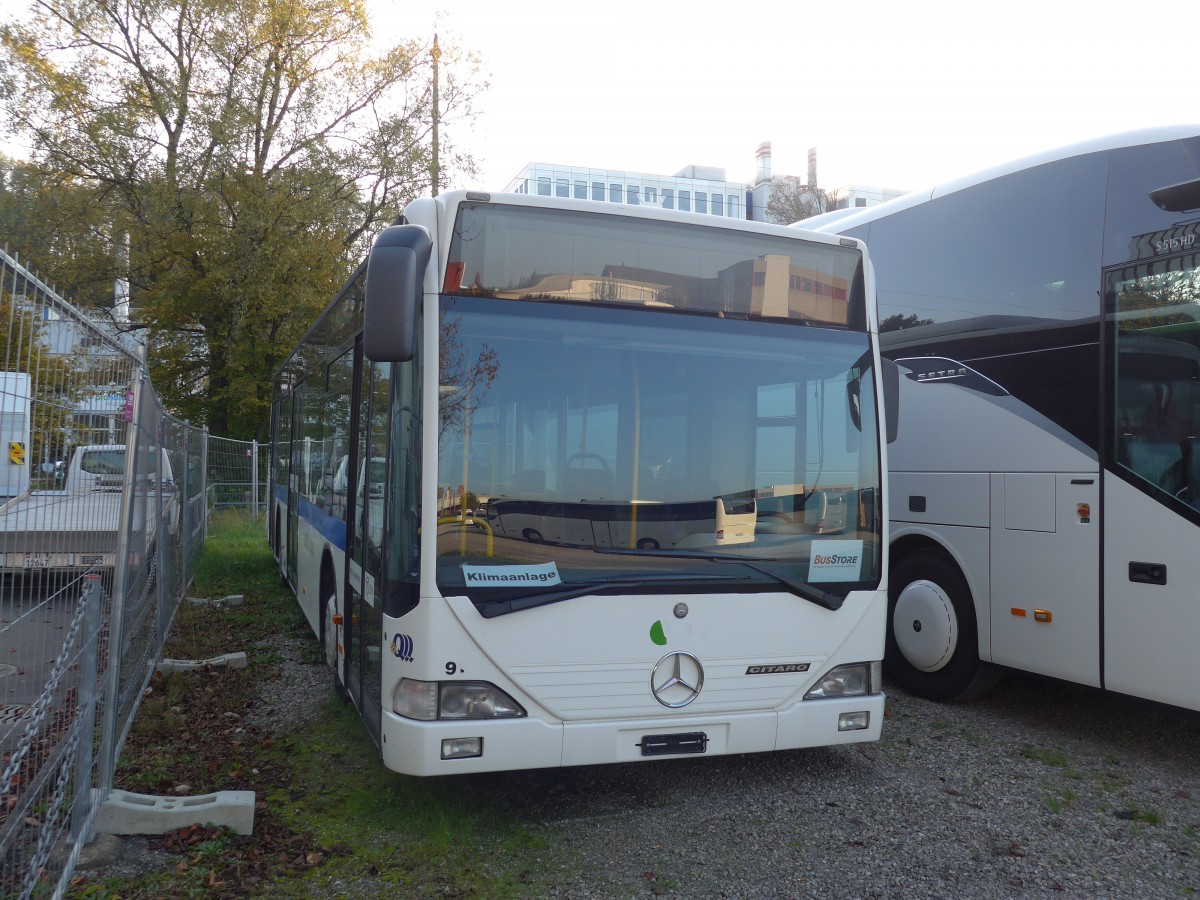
column 364, row 649
column 1152, row 480
column 295, row 467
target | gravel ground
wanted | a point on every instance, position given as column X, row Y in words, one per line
column 1041, row 789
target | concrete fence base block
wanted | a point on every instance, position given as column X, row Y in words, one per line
column 127, row 813
column 231, row 600
column 232, row 660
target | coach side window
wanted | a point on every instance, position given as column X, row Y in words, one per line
column 1156, row 425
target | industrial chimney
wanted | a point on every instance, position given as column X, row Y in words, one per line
column 763, row 158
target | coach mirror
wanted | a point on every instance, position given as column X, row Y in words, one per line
column 395, row 278
column 1182, row 197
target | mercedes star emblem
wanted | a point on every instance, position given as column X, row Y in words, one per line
column 677, row 679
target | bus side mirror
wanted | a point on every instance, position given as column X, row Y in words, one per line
column 395, row 281
column 891, row 396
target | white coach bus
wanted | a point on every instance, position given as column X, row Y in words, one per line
column 499, row 350
column 1045, row 483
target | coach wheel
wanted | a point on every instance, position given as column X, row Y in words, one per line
column 932, row 639
column 532, row 535
column 647, row 544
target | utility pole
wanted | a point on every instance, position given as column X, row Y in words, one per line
column 434, row 173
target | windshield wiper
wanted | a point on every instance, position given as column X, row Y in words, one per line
column 491, row 610
column 801, row 589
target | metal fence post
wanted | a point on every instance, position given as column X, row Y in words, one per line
column 116, row 636
column 162, row 549
column 185, row 510
column 81, row 815
column 204, row 469
column 254, row 478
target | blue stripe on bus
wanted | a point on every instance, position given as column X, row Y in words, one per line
column 330, row 527
column 281, row 494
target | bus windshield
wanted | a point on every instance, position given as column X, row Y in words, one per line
column 592, row 445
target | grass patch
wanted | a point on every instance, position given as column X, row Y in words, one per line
column 327, row 812
column 1054, row 758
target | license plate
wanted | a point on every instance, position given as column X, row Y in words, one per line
column 37, row 560
column 670, row 744
column 94, row 559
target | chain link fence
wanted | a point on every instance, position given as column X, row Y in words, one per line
column 237, row 475
column 103, row 510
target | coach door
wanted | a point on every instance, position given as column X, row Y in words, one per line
column 1152, row 482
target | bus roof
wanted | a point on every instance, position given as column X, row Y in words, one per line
column 837, row 221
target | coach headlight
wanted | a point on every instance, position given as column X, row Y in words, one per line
column 428, row 701
column 852, row 680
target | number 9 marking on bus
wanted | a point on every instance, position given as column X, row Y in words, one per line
column 451, row 668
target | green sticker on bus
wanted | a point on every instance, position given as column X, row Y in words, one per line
column 657, row 634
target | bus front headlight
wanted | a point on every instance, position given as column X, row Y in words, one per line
column 851, row 680
column 476, row 700
column 428, row 701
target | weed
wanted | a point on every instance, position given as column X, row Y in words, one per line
column 1058, row 802
column 1140, row 816
column 1053, row 758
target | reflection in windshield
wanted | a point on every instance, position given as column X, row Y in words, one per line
column 568, row 430
column 1157, row 421
column 527, row 253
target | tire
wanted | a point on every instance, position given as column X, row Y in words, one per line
column 281, row 553
column 329, row 641
column 532, row 535
column 647, row 544
column 932, row 637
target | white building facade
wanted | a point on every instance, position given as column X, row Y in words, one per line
column 698, row 189
column 858, row 196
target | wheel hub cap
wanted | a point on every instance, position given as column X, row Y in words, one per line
column 925, row 626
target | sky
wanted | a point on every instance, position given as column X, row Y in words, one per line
column 899, row 94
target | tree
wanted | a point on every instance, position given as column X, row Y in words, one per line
column 899, row 321
column 60, row 228
column 792, row 200
column 248, row 149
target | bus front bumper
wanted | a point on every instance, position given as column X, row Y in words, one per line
column 417, row 748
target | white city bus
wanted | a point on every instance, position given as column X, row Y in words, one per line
column 626, row 364
column 1045, row 483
